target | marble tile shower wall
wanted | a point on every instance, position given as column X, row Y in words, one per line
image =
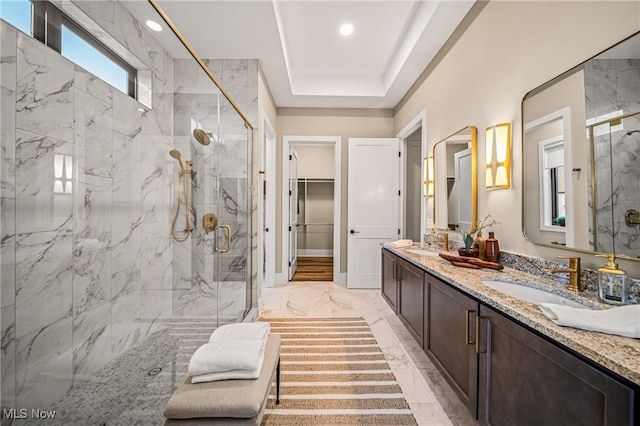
column 617, row 192
column 87, row 272
column 207, row 283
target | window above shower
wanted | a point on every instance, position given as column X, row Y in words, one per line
column 56, row 29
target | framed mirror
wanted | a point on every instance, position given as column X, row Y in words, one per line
column 455, row 181
column 581, row 156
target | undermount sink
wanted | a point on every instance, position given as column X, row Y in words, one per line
column 423, row 252
column 530, row 294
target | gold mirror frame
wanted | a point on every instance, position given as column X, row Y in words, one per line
column 588, row 128
column 474, row 176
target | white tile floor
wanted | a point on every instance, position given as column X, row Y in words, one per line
column 431, row 399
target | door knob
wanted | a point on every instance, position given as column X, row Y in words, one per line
column 354, row 232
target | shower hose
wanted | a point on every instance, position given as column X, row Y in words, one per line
column 183, row 184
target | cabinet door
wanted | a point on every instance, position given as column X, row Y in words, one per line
column 389, row 283
column 526, row 380
column 449, row 338
column 411, row 298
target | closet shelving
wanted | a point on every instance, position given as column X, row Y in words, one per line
column 315, row 216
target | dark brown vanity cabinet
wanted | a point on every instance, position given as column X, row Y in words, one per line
column 403, row 289
column 450, row 338
column 389, row 282
column 527, row 380
column 411, row 293
column 504, row 372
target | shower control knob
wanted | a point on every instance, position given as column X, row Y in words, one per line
column 209, row 222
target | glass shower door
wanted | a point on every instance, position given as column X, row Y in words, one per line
column 211, row 268
column 232, row 235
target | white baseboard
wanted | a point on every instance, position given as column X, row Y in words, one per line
column 371, row 286
column 343, row 278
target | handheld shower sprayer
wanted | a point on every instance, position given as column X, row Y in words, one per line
column 176, row 154
column 184, row 184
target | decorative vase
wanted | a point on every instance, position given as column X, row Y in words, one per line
column 468, row 252
column 479, row 243
column 491, row 249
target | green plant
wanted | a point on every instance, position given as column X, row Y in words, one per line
column 467, row 237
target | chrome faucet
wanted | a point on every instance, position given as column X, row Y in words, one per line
column 573, row 271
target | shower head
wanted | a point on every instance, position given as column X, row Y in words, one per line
column 630, row 132
column 176, row 154
column 203, row 137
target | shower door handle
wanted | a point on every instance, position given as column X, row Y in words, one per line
column 228, row 229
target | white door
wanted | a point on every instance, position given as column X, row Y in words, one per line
column 373, row 206
column 462, row 166
column 293, row 212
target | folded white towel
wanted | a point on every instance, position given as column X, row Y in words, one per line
column 398, row 243
column 623, row 320
column 230, row 375
column 242, row 354
column 248, row 330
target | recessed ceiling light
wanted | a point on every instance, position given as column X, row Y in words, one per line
column 346, row 29
column 154, row 25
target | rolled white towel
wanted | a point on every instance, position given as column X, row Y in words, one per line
column 622, row 321
column 245, row 330
column 241, row 354
column 230, row 375
column 398, row 243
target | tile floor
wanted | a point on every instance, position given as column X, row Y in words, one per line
column 431, row 399
column 129, row 392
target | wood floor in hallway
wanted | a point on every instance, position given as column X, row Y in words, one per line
column 314, row 268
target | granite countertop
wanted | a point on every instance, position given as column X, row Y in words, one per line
column 618, row 354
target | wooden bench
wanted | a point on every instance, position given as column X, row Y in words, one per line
column 227, row 402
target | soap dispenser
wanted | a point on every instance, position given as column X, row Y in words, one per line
column 612, row 282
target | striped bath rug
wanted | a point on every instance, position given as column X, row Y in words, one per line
column 333, row 373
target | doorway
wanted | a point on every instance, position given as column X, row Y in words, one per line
column 413, row 182
column 311, row 208
column 415, row 210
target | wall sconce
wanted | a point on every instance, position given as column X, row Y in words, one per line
column 428, row 176
column 498, row 158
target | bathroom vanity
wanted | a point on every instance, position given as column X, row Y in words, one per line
column 508, row 362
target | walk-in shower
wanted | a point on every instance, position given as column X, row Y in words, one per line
column 184, row 186
column 89, row 267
